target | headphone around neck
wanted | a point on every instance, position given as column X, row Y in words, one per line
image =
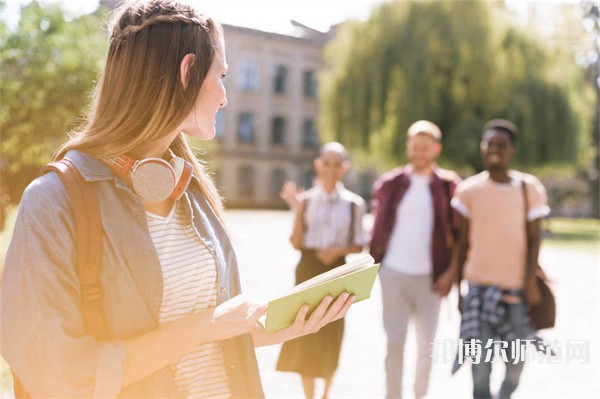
column 155, row 179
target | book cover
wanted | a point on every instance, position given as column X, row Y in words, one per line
column 355, row 277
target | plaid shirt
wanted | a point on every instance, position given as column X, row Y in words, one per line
column 484, row 303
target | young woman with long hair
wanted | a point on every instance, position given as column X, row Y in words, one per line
column 177, row 324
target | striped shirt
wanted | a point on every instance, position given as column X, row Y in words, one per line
column 190, row 284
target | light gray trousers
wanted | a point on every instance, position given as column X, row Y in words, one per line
column 408, row 298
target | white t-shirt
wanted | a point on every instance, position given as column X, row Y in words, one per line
column 189, row 284
column 409, row 249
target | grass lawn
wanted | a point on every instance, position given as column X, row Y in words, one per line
column 576, row 234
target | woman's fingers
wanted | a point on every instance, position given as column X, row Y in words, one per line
column 256, row 313
column 317, row 315
column 335, row 309
column 345, row 308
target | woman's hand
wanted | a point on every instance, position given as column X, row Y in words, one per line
column 289, row 193
column 324, row 314
column 330, row 254
column 236, row 316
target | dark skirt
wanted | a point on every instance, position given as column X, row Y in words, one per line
column 313, row 355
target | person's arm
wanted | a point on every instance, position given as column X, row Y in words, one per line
column 331, row 254
column 536, row 200
column 298, row 230
column 459, row 255
column 380, row 197
column 534, row 234
column 160, row 347
column 291, row 194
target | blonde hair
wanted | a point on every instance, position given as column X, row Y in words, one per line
column 139, row 97
column 424, row 127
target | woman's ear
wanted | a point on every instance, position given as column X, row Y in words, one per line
column 186, row 63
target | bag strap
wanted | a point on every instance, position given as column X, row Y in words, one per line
column 352, row 221
column 525, row 200
column 538, row 270
column 88, row 231
column 88, row 248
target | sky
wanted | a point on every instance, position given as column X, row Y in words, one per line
column 268, row 15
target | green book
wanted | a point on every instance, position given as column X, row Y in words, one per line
column 356, row 277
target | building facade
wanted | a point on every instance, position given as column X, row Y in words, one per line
column 268, row 133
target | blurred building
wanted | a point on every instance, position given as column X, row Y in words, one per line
column 267, row 134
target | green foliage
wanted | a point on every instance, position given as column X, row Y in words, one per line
column 457, row 64
column 581, row 235
column 48, row 66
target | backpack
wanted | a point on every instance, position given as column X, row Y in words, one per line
column 88, row 232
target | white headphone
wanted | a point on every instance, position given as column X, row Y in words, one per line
column 155, row 179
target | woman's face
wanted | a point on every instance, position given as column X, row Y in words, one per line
column 200, row 123
column 330, row 167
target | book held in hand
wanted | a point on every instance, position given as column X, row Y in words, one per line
column 355, row 277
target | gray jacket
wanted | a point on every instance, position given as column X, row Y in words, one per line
column 43, row 336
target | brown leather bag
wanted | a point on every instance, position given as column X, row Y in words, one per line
column 88, row 230
column 543, row 315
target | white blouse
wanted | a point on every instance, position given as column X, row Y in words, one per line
column 327, row 218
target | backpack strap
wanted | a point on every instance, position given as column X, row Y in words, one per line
column 88, row 247
column 88, row 230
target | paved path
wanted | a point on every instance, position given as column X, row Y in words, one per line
column 267, row 264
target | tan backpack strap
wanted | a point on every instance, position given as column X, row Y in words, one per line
column 18, row 388
column 88, row 230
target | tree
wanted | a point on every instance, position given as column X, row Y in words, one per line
column 48, row 66
column 592, row 63
column 455, row 63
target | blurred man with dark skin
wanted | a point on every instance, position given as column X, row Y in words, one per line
column 412, row 238
column 502, row 240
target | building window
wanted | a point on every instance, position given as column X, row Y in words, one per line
column 219, row 124
column 248, row 75
column 246, row 182
column 277, row 181
column 280, row 80
column 309, row 134
column 246, row 128
column 310, row 84
column 278, row 131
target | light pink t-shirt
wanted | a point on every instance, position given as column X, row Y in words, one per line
column 497, row 238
